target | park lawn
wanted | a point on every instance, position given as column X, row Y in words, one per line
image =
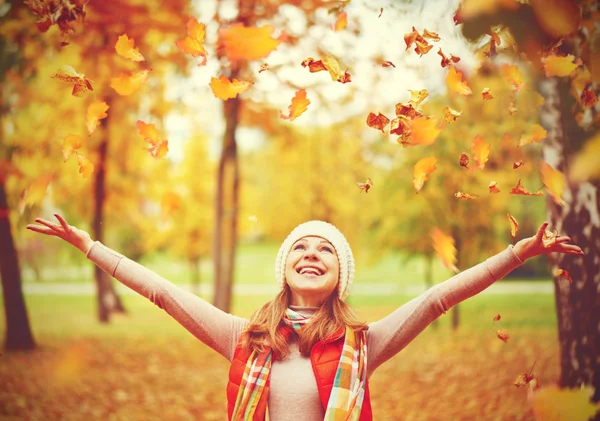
column 144, row 366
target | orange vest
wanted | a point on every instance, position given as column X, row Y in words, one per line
column 324, row 356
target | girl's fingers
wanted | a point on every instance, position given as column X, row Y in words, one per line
column 541, row 231
column 62, row 222
column 560, row 240
column 42, row 230
column 46, row 223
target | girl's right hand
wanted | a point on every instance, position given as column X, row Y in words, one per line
column 73, row 235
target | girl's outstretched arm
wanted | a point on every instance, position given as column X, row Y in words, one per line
column 215, row 328
column 391, row 334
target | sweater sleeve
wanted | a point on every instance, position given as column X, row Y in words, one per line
column 215, row 328
column 388, row 336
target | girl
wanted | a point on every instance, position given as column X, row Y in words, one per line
column 304, row 355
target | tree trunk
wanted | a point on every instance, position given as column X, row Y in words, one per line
column 226, row 209
column 107, row 298
column 18, row 332
column 577, row 304
column 195, row 271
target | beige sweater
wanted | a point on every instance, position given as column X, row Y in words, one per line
column 293, row 386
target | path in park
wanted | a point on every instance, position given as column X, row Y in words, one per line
column 259, row 289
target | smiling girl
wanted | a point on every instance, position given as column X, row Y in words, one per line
column 304, row 355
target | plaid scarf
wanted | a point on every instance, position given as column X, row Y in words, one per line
column 347, row 394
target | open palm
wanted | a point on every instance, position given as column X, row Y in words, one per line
column 73, row 235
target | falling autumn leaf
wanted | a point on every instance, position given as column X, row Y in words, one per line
column 503, row 335
column 225, row 89
column 86, row 168
column 493, row 186
column 423, row 131
column 589, row 98
column 96, row 111
column 377, row 121
column 410, row 37
column 341, row 22
column 125, row 48
column 486, row 94
column 169, row 203
column 554, row 182
column 464, row 160
column 523, row 380
column 465, row 196
column 35, row 193
column 422, row 47
column 513, row 75
column 559, row 66
column 455, row 82
column 333, row 67
column 561, row 273
column 536, row 134
column 70, row 143
column 549, row 238
column 380, row 12
column 497, row 318
column 555, row 404
column 481, row 151
column 127, row 84
column 514, row 225
column 519, row 189
column 387, row 64
column 81, row 85
column 313, row 65
column 451, row 115
column 517, row 164
column 416, row 97
column 365, row 186
column 192, row 43
column 157, row 148
column 264, row 67
column 298, row 106
column 399, row 126
column 423, row 168
column 447, row 61
column 444, row 247
column 408, row 110
column 248, row 43
column 431, row 35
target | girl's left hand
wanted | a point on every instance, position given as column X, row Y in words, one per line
column 534, row 246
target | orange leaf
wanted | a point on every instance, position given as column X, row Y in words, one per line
column 387, row 64
column 224, row 89
column 494, row 187
column 378, row 121
column 514, row 225
column 523, row 380
column 407, row 110
column 365, row 186
column 481, row 151
column 423, row 168
column 447, row 61
column 431, row 35
column 35, row 193
column 86, row 168
column 313, row 66
column 423, row 131
column 519, row 189
column 554, row 182
column 466, row 196
column 537, row 134
column 503, row 335
column 559, row 66
column 124, row 48
column 96, row 111
column 264, row 67
column 422, row 47
column 451, row 115
column 400, row 127
column 126, row 85
column 333, row 67
column 410, row 38
column 249, row 43
column 444, row 247
column 589, row 98
column 486, row 94
column 147, row 131
column 455, row 82
column 70, row 143
column 497, row 318
column 192, row 43
column 517, row 164
column 341, row 22
column 158, row 149
column 563, row 274
column 81, row 85
column 464, row 160
column 513, row 75
column 298, row 106
column 169, row 203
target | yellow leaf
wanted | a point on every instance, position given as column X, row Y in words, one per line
column 554, row 404
column 86, row 168
column 585, row 163
column 81, row 85
column 444, row 247
column 493, row 186
column 34, row 194
column 465, row 196
column 224, row 89
column 127, row 84
column 486, row 94
column 554, row 182
column 481, row 151
column 514, row 225
column 451, row 115
column 416, row 97
column 192, row 43
column 423, row 168
column 158, row 149
column 298, row 106
column 423, row 131
column 70, row 143
column 503, row 335
column 248, row 43
column 341, row 22
column 536, row 134
column 333, row 67
column 513, row 75
column 96, row 111
column 559, row 66
column 455, row 82
column 562, row 273
column 124, row 48
column 147, row 131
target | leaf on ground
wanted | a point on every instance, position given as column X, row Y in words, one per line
column 127, row 84
column 248, row 43
column 225, row 89
column 125, row 48
column 299, row 104
column 96, row 111
column 422, row 169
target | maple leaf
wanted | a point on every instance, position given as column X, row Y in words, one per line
column 444, row 247
column 514, row 225
column 333, row 67
column 513, row 75
column 451, row 115
column 503, row 335
column 416, row 97
column 248, row 43
column 589, row 98
column 431, row 35
column 423, row 168
column 157, row 148
column 423, row 131
column 562, row 273
column 455, row 82
column 519, row 189
column 365, row 186
column 517, row 164
column 35, row 192
column 96, row 111
column 298, row 106
column 341, row 22
column 264, row 67
column 559, row 66
column 481, row 151
column 387, row 64
column 407, row 110
column 554, row 182
column 377, row 121
column 497, row 318
column 549, row 238
column 493, row 186
column 313, row 66
column 536, row 134
column 192, row 43
column 225, row 89
column 70, row 143
column 127, row 84
column 485, row 94
column 125, row 48
column 464, row 160
column 86, row 167
column 465, row 196
column 81, row 85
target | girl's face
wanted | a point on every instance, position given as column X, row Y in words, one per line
column 312, row 271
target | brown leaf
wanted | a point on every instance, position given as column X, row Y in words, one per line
column 519, row 189
column 503, row 335
column 378, row 121
column 365, row 186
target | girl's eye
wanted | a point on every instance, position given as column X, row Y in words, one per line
column 327, row 249
column 299, row 246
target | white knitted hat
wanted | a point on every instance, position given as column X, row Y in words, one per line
column 335, row 237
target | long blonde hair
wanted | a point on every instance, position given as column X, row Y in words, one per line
column 330, row 317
